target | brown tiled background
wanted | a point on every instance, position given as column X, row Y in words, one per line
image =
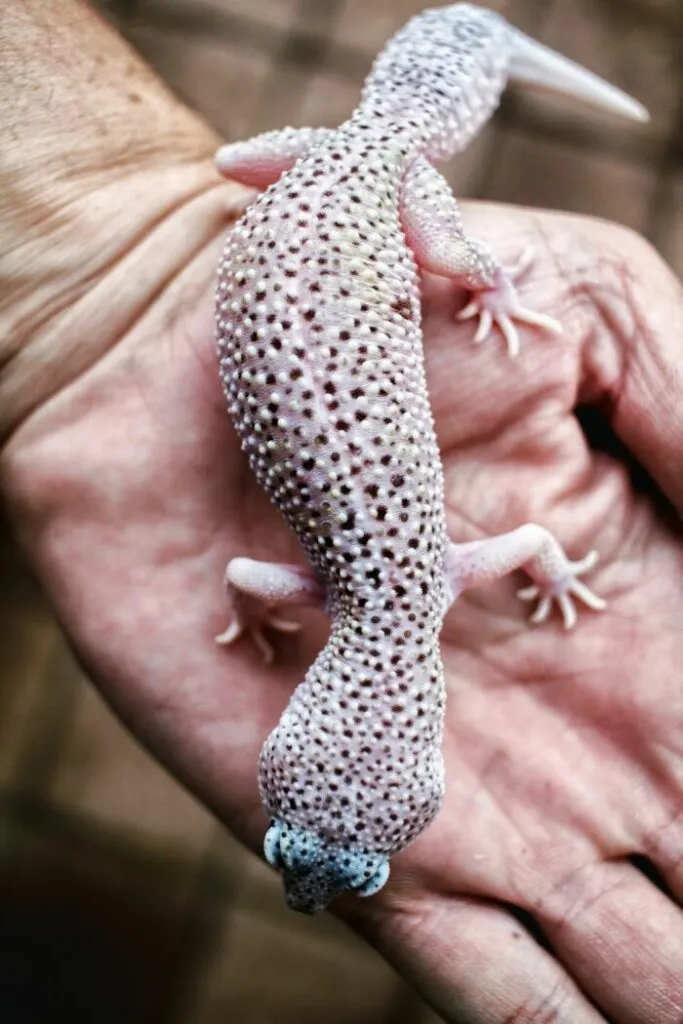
column 121, row 900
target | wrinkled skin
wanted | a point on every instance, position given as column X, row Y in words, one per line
column 564, row 752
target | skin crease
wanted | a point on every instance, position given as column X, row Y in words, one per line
column 564, row 753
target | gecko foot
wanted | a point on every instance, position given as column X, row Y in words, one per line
column 256, row 590
column 564, row 590
column 500, row 306
column 252, row 618
column 535, row 550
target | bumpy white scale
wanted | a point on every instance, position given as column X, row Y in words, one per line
column 321, row 359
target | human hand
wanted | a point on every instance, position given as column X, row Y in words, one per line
column 130, row 494
column 563, row 752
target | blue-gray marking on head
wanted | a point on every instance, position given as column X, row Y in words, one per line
column 314, row 871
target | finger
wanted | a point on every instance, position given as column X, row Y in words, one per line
column 473, row 961
column 663, row 848
column 640, row 301
column 621, row 938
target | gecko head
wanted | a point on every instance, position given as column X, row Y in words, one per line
column 314, row 871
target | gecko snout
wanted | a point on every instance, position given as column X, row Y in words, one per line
column 315, row 871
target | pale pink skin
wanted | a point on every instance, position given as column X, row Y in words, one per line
column 270, row 286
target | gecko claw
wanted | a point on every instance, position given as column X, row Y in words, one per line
column 564, row 593
column 499, row 306
column 510, row 333
column 254, row 628
column 229, row 635
column 524, row 263
column 283, row 625
column 496, row 308
column 471, row 309
column 542, row 320
column 236, row 630
column 484, row 328
column 258, row 592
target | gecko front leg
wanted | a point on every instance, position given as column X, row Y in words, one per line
column 259, row 162
column 534, row 549
column 256, row 590
column 434, row 231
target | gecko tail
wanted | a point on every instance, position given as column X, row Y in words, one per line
column 536, row 64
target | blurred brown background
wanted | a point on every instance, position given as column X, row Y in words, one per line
column 121, row 900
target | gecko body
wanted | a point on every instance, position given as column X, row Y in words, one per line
column 320, row 347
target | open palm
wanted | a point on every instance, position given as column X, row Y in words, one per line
column 564, row 751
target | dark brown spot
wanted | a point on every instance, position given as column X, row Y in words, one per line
column 403, row 307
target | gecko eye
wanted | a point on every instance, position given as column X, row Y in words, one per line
column 271, row 844
column 315, row 871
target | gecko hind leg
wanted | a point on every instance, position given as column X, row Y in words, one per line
column 534, row 549
column 256, row 591
column 434, row 231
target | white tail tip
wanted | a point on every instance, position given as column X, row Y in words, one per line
column 536, row 64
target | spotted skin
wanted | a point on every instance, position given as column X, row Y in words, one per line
column 321, row 360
